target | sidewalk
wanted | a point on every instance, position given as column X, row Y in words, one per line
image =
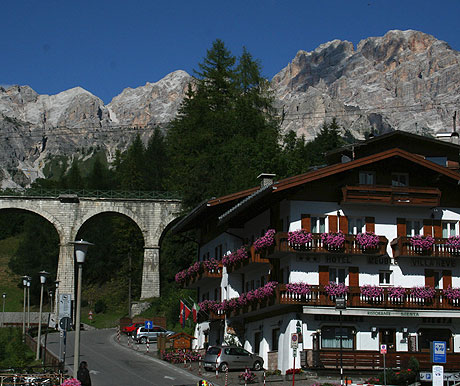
column 308, row 378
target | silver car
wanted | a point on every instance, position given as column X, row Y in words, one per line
column 231, row 357
column 143, row 334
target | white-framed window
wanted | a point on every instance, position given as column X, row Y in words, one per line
column 449, row 229
column 318, row 224
column 366, row 178
column 399, row 179
column 385, row 277
column 356, row 225
column 337, row 274
column 414, row 227
column 333, row 337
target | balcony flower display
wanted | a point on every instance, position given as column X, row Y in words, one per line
column 235, row 257
column 181, row 276
column 336, row 289
column 452, row 293
column 211, row 265
column 265, row 241
column 424, row 243
column 334, row 240
column 299, row 238
column 367, row 240
column 209, row 305
column 396, row 293
column 371, row 291
column 423, row 292
column 193, row 270
column 298, row 288
column 453, row 242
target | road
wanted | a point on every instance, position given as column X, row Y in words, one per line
column 113, row 365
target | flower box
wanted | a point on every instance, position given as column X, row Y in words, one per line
column 274, row 378
column 422, row 243
column 300, row 377
column 333, row 241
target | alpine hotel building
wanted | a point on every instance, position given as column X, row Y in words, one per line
column 378, row 225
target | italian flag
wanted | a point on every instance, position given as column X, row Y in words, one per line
column 195, row 310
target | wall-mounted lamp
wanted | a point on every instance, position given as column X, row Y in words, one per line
column 405, row 332
column 374, row 331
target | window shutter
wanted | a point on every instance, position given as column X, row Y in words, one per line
column 446, row 278
column 401, row 226
column 306, row 222
column 343, row 220
column 323, row 275
column 332, row 219
column 437, row 228
column 428, row 227
column 370, row 224
column 353, row 278
column 429, row 277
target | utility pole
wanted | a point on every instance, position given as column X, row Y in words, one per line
column 129, row 283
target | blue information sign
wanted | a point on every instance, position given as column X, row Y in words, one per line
column 439, row 352
column 148, row 324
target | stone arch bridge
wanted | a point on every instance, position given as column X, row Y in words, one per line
column 69, row 211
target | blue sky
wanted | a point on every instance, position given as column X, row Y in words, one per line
column 106, row 46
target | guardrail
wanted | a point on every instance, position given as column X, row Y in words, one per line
column 111, row 194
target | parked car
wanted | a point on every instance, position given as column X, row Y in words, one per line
column 231, row 357
column 150, row 334
column 129, row 329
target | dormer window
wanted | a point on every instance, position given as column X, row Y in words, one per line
column 366, row 178
column 400, row 179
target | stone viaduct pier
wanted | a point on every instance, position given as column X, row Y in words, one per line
column 69, row 211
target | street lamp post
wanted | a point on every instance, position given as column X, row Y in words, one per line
column 29, row 280
column 81, row 247
column 340, row 304
column 56, row 301
column 24, row 284
column 43, row 275
column 3, row 312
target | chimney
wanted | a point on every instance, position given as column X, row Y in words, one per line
column 266, row 179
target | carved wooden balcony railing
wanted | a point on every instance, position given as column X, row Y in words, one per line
column 205, row 275
column 391, row 195
column 210, row 316
column 402, row 248
column 350, row 247
column 254, row 259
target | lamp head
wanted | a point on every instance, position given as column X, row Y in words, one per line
column 43, row 275
column 4, row 295
column 56, row 283
column 25, row 279
column 81, row 247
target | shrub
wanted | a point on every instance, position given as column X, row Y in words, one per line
column 100, row 306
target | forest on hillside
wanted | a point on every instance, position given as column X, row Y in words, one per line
column 225, row 134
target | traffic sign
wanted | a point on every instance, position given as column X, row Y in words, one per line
column 439, row 352
column 65, row 302
column 438, row 375
column 148, row 324
column 383, row 349
column 294, row 352
column 90, row 315
column 294, row 340
column 65, row 323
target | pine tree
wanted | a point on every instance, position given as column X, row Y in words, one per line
column 156, row 162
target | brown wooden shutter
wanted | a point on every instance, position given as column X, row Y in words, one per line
column 332, row 223
column 446, row 278
column 353, row 278
column 370, row 224
column 437, row 228
column 401, row 226
column 429, row 277
column 428, row 227
column 323, row 275
column 343, row 220
column 306, row 222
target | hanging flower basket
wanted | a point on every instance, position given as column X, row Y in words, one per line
column 452, row 293
column 211, row 265
column 235, row 257
column 333, row 240
column 396, row 293
column 265, row 241
column 299, row 238
column 424, row 243
column 453, row 242
column 336, row 289
column 372, row 291
column 368, row 240
column 298, row 288
column 426, row 292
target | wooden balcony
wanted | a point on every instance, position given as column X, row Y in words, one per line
column 391, row 195
column 373, row 360
column 351, row 247
column 255, row 260
column 204, row 276
column 402, row 248
column 210, row 316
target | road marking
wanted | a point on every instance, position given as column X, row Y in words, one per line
column 95, row 372
column 168, row 377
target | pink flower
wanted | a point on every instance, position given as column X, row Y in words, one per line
column 425, row 292
column 452, row 293
column 334, row 240
column 371, row 291
column 367, row 240
column 298, row 288
column 265, row 241
column 396, row 292
column 299, row 237
column 336, row 289
column 423, row 242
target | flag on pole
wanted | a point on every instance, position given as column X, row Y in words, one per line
column 195, row 310
column 187, row 312
column 181, row 314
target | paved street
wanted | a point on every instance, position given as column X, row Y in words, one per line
column 111, row 364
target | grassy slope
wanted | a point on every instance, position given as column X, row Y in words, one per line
column 8, row 280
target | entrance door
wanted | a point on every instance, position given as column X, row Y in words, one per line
column 388, row 337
